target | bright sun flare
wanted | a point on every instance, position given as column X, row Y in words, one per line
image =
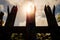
column 28, row 7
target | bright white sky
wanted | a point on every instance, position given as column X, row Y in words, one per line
column 40, row 16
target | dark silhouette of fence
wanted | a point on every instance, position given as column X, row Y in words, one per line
column 31, row 28
column 30, row 24
column 52, row 23
column 11, row 16
column 50, row 16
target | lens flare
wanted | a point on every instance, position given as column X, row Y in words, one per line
column 28, row 7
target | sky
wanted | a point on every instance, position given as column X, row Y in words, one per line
column 21, row 17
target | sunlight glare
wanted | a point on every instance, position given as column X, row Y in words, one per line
column 28, row 7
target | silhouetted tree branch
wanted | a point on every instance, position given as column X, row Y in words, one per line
column 1, row 18
column 50, row 16
column 8, row 9
column 11, row 16
column 54, row 10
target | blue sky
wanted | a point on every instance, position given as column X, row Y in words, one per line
column 57, row 8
